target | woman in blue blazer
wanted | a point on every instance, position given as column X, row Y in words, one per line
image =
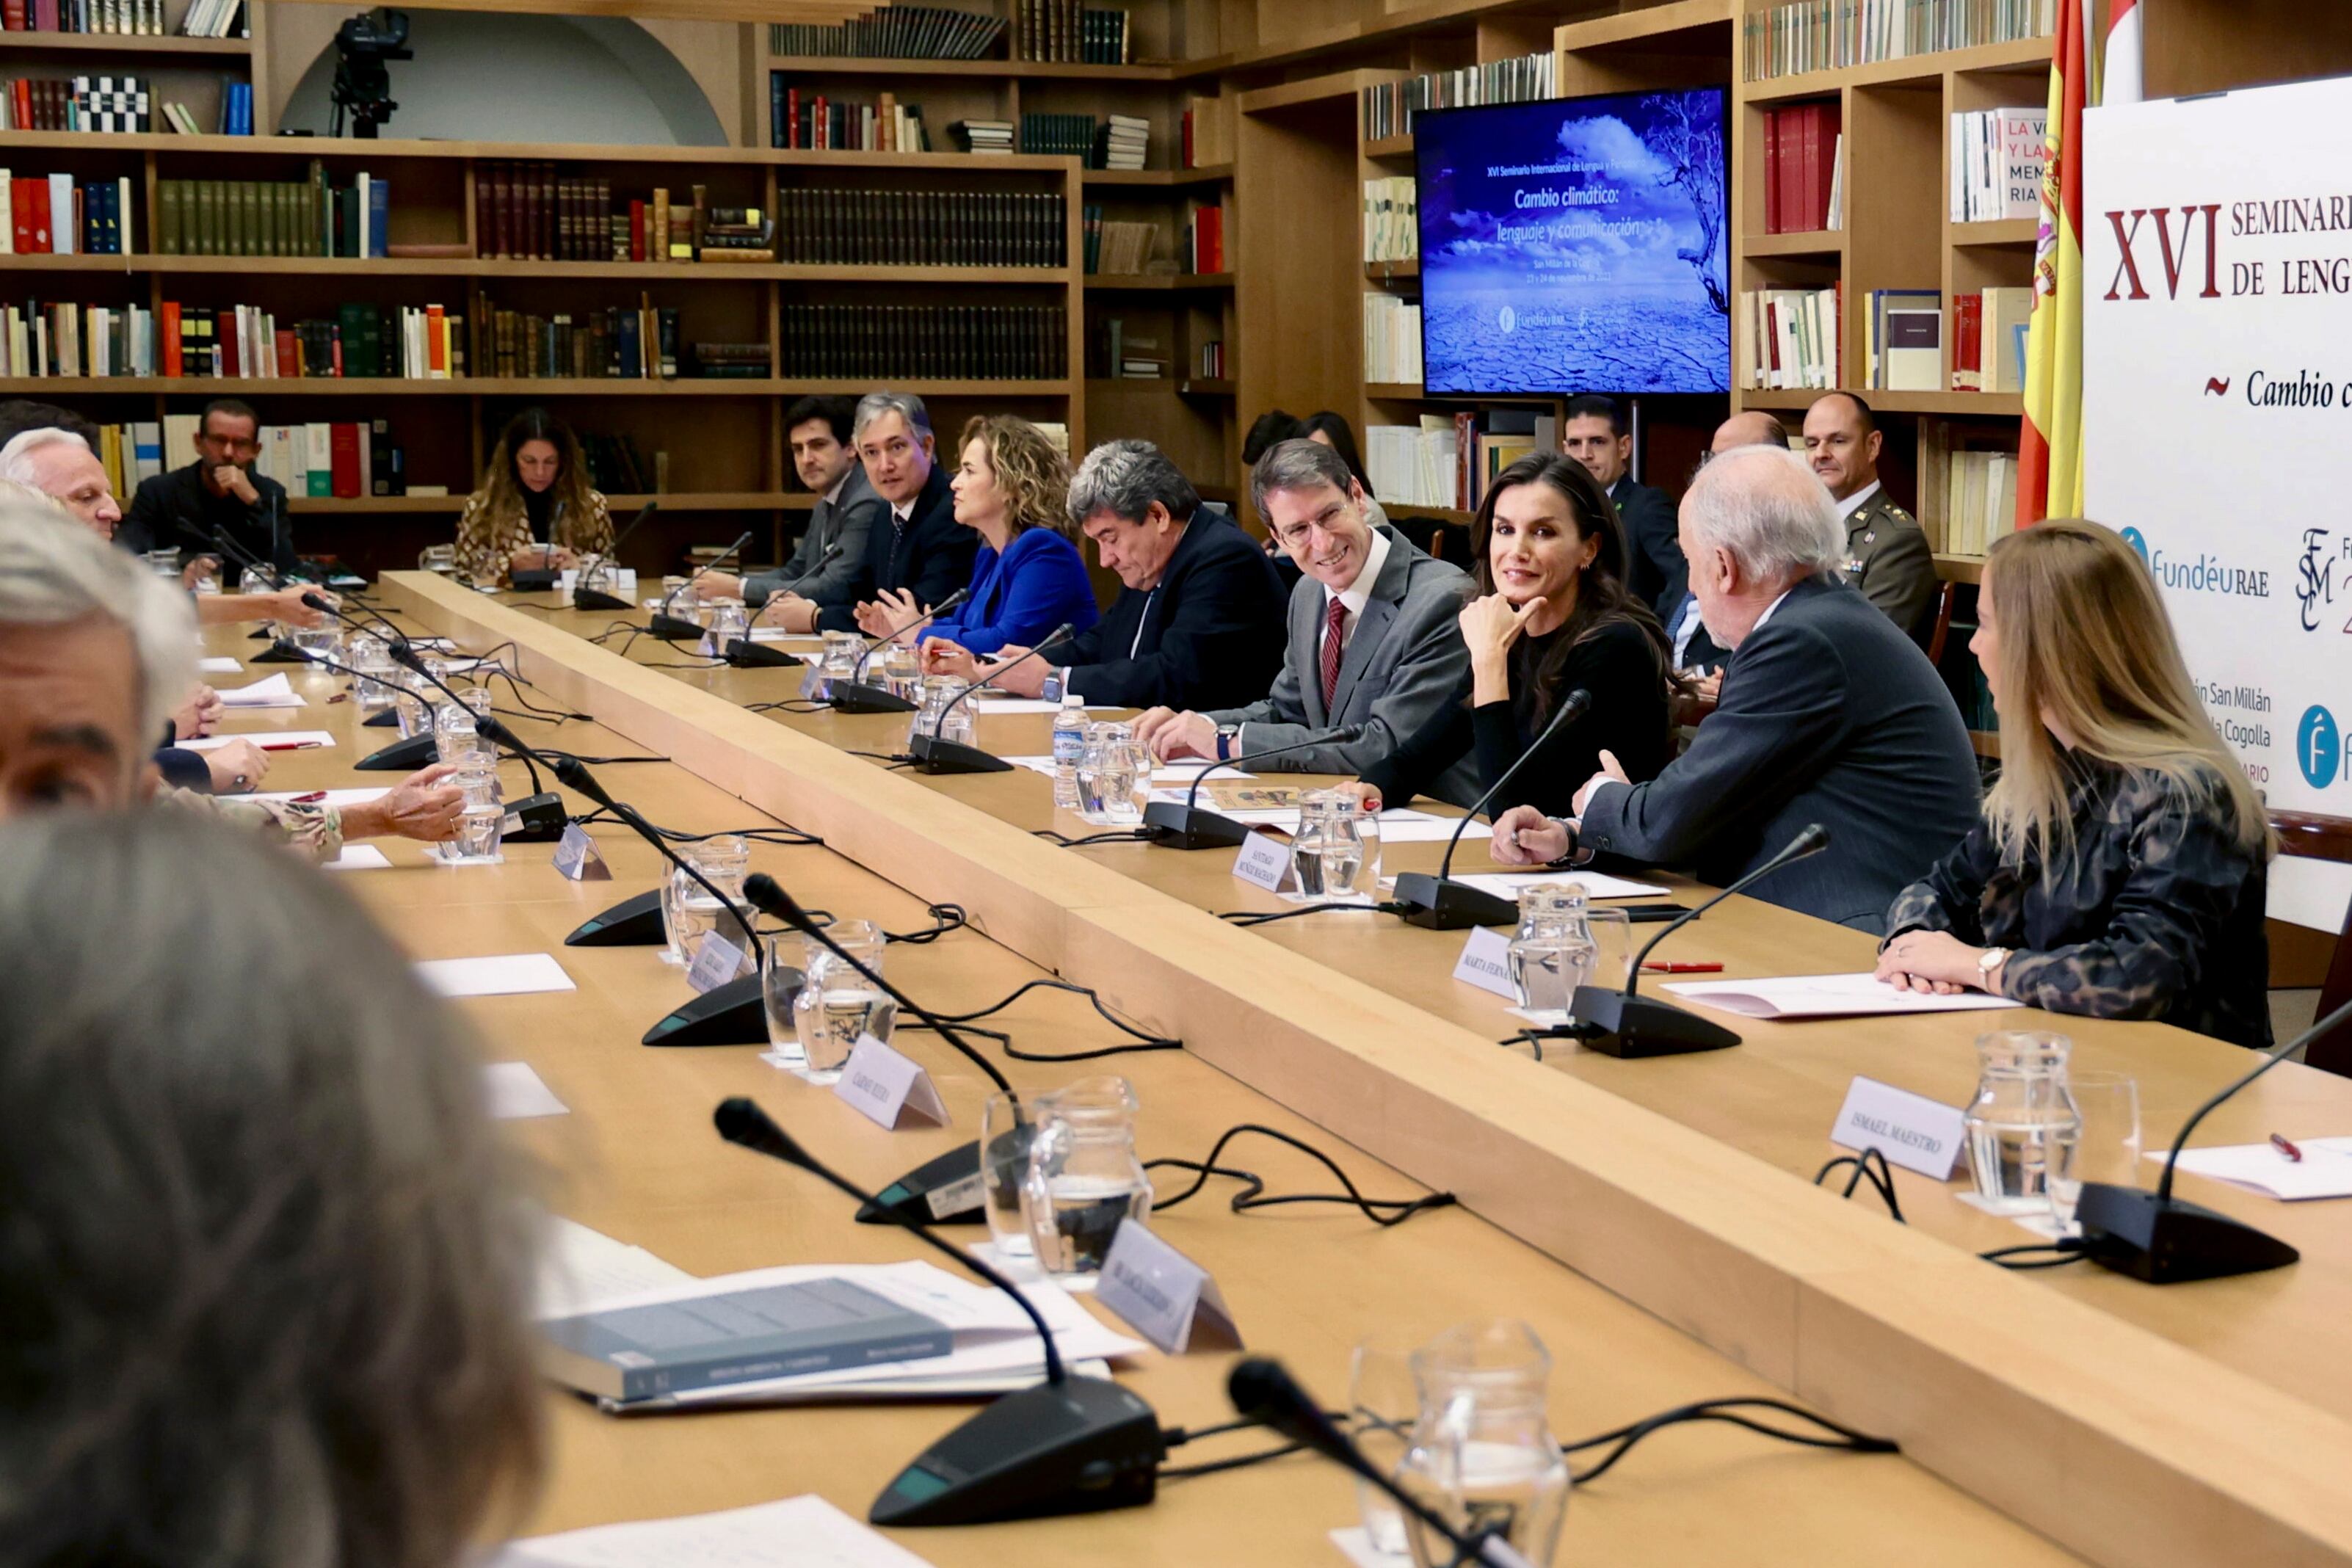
column 1011, row 487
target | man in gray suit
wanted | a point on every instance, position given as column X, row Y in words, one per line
column 1828, row 714
column 1375, row 648
column 847, row 506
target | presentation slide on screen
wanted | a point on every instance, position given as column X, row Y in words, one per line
column 1576, row 246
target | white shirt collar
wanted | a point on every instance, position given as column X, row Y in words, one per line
column 903, row 512
column 1359, row 593
column 832, row 496
column 1852, row 503
column 1773, row 606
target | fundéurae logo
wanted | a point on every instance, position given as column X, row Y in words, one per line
column 2319, row 747
column 2200, row 573
column 2138, row 542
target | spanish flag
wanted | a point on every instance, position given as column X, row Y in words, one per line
column 2050, row 446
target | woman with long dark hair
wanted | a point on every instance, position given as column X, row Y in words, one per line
column 536, row 509
column 1553, row 615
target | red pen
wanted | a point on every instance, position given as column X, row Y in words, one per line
column 2285, row 1148
column 1654, row 967
column 292, row 746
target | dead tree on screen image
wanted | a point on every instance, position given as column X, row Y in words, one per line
column 1693, row 155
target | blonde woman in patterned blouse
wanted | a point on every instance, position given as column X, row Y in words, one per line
column 536, row 509
column 2118, row 870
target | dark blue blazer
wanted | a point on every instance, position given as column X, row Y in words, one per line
column 1210, row 634
column 1019, row 596
column 930, row 557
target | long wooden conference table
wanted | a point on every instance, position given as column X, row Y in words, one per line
column 1653, row 1220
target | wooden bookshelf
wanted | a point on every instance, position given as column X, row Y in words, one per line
column 992, row 70
column 1159, row 179
column 1158, row 283
column 129, row 44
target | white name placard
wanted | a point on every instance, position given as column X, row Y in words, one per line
column 889, row 1087
column 1911, row 1130
column 621, row 581
column 717, row 961
column 1263, row 862
column 1163, row 1295
column 576, row 859
column 1485, row 963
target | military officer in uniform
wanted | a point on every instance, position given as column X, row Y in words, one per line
column 1886, row 551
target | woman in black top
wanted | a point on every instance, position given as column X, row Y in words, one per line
column 1554, row 615
column 2119, row 869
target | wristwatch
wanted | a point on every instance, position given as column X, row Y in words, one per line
column 1988, row 960
column 1229, row 738
column 1052, row 690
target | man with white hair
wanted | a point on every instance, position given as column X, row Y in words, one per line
column 1829, row 714
column 95, row 650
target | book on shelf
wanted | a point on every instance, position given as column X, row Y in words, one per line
column 1065, row 31
column 1204, row 239
column 131, row 453
column 236, row 110
column 1058, row 135
column 1448, row 460
column 1392, row 219
column 906, row 228
column 280, row 217
column 1123, row 143
column 214, row 19
column 1392, row 339
column 1904, row 344
column 84, row 103
column 984, row 136
column 1979, row 489
column 117, row 18
column 626, row 343
column 894, row 32
column 360, row 458
column 1388, row 108
column 822, row 122
column 1997, row 157
column 528, row 212
column 962, row 342
column 55, row 214
column 1793, row 337
column 1832, row 35
column 1120, row 249
column 1988, row 330
column 1210, row 363
column 1206, row 132
column 1800, row 162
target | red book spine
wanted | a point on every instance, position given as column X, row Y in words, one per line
column 20, row 214
column 636, row 231
column 793, row 117
column 1809, row 156
column 168, row 335
column 38, row 204
column 343, row 451
column 1772, row 171
column 12, row 16
column 289, row 354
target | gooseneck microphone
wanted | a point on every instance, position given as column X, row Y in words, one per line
column 2164, row 1240
column 943, row 1191
column 743, row 653
column 1068, row 1445
column 587, row 598
column 934, row 755
column 674, row 629
column 1626, row 1024
column 856, row 697
column 1187, row 826
column 245, row 559
column 1264, row 1390
column 1441, row 903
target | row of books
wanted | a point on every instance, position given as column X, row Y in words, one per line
column 132, row 17
column 132, row 453
column 1988, row 340
column 209, row 18
column 1391, row 218
column 344, row 459
column 1391, row 339
column 73, row 340
column 894, row 32
column 818, row 121
column 274, row 217
column 1068, row 31
column 983, row 136
column 236, row 112
column 1832, row 34
column 103, row 103
column 923, row 228
column 1059, row 135
column 624, row 342
column 1120, row 249
column 1448, row 459
column 1979, row 499
column 1997, row 157
column 1123, row 143
column 971, row 342
column 52, row 215
column 1205, row 132
column 1791, row 339
column 1803, row 159
column 526, row 212
column 1210, row 363
column 1203, row 251
column 1389, row 109
column 1903, row 339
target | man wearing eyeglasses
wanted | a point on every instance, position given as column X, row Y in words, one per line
column 220, row 491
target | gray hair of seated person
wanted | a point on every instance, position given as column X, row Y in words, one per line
column 53, row 571
column 1769, row 510
column 905, row 405
column 16, row 456
column 265, row 1269
column 1124, row 477
column 1296, row 465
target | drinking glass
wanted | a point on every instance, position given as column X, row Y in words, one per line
column 1007, row 1128
column 1382, row 1408
column 837, row 1004
column 437, row 558
column 409, row 693
column 324, row 639
column 1552, row 951
column 1336, row 851
column 1613, row 942
column 902, row 671
column 164, row 564
column 729, row 623
column 479, row 829
column 372, row 661
column 1084, row 1177
column 2106, row 1145
column 688, row 911
column 1114, row 772
column 780, row 988
column 1483, row 1456
column 839, row 663
column 2020, row 1118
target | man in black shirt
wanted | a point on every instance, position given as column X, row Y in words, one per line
column 219, row 491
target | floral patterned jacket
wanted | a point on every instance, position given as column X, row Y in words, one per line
column 486, row 544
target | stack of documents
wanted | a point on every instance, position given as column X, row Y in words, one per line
column 275, row 692
column 2324, row 1172
column 1825, row 996
column 798, row 1532
column 580, row 1270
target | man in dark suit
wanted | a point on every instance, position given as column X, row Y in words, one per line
column 914, row 546
column 825, row 457
column 1828, row 714
column 1596, row 435
column 218, row 493
column 1199, row 623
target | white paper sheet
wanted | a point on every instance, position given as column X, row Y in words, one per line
column 337, row 798
column 218, row 665
column 268, row 739
column 778, row 633
column 275, row 692
column 1402, row 827
column 2324, row 1172
column 515, row 1091
column 985, row 705
column 580, row 1270
column 509, row 975
column 798, row 1532
column 1506, row 884
column 360, row 858
column 1825, row 996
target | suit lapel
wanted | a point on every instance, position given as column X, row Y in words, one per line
column 1371, row 626
column 1306, row 638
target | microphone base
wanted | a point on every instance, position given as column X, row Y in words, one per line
column 1637, row 1025
column 538, row 582
column 669, row 628
column 2169, row 1241
column 386, row 719
column 747, row 655
column 400, row 756
column 274, row 656
column 859, row 698
column 933, row 755
column 542, row 818
column 632, row 922
column 1441, row 903
column 945, row 1191
column 597, row 599
column 1083, row 1446
column 735, row 1014
column 1174, row 827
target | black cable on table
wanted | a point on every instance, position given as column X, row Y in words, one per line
column 1880, row 1175
column 945, row 917
column 1731, row 1412
column 1143, row 1040
column 1253, row 1196
column 1239, row 1462
column 1245, row 918
column 2066, row 1250
column 1120, row 836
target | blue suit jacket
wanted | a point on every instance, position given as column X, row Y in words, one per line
column 1019, row 596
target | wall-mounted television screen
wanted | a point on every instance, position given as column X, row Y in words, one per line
column 1575, row 245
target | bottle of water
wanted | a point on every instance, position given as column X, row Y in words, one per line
column 1069, row 744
